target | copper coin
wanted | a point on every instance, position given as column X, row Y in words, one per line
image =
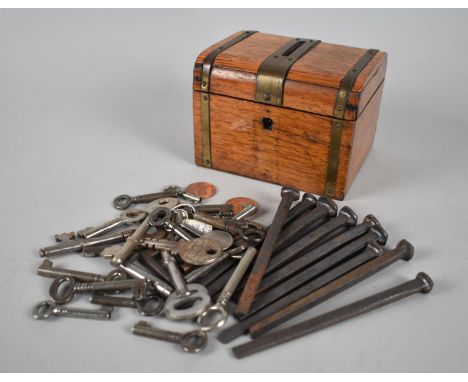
column 238, row 204
column 203, row 190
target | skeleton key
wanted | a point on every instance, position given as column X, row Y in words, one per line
column 188, row 300
column 63, row 294
column 48, row 308
column 160, row 286
column 84, row 244
column 125, row 218
column 161, row 217
column 122, row 202
column 132, row 242
column 47, row 269
column 199, row 251
column 191, row 342
column 148, row 306
column 207, row 319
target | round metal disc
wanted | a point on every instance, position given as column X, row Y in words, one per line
column 224, row 238
column 200, row 251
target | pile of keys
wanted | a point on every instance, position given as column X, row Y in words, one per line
column 159, row 251
column 188, row 260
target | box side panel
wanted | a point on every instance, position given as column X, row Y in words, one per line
column 363, row 136
column 294, row 152
column 371, row 88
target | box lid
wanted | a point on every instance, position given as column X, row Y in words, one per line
column 311, row 82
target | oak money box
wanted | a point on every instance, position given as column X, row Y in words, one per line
column 292, row 111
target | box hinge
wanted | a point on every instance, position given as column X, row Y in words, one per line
column 274, row 69
column 205, row 96
column 345, row 88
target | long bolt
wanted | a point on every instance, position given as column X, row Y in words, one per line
column 346, row 218
column 325, row 238
column 309, row 220
column 421, row 284
column 288, row 196
column 307, row 202
column 403, row 251
column 346, row 243
column 371, row 253
column 287, row 284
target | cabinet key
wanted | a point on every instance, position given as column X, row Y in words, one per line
column 64, row 288
column 125, row 218
column 191, row 342
column 46, row 309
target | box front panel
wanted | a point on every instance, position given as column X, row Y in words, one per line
column 271, row 143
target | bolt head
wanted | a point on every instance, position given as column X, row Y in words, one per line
column 407, row 248
column 428, row 283
column 310, row 198
column 329, row 204
column 290, row 191
column 350, row 214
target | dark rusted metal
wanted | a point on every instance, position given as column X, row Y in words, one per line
column 355, row 232
column 151, row 263
column 403, row 251
column 307, row 202
column 349, row 242
column 287, row 283
column 306, row 222
column 346, row 218
column 421, row 284
column 288, row 196
column 225, row 267
column 240, row 328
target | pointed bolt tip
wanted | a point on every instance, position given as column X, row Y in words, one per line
column 428, row 283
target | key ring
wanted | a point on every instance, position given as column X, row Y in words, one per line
column 208, row 316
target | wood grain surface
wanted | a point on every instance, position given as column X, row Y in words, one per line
column 295, row 151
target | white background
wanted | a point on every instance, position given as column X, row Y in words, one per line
column 95, row 103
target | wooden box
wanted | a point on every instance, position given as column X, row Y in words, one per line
column 296, row 112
